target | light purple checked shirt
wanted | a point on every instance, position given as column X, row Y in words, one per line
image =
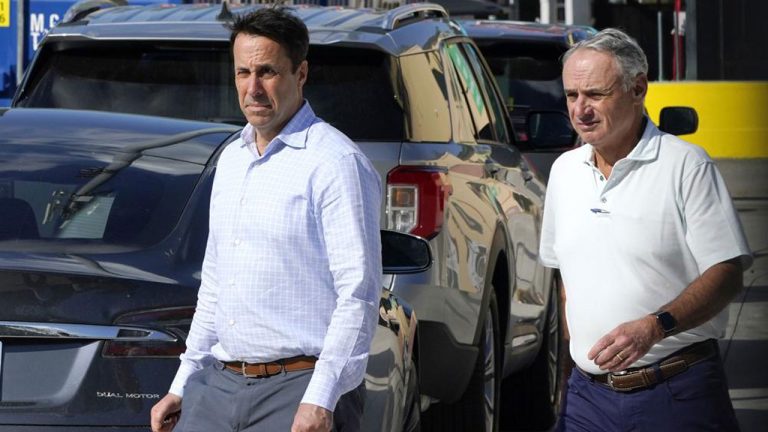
column 293, row 262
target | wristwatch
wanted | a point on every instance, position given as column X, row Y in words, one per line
column 667, row 322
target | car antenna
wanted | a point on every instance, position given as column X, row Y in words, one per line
column 225, row 14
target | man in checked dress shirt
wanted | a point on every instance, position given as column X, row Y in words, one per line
column 291, row 275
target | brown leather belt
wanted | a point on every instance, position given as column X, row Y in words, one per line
column 648, row 376
column 264, row 370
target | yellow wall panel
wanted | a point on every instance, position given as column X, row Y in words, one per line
column 733, row 116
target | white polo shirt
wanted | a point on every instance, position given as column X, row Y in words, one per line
column 631, row 243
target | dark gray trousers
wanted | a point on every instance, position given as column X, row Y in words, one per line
column 217, row 400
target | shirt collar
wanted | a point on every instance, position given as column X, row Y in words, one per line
column 294, row 134
column 647, row 147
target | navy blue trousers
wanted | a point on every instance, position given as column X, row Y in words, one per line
column 695, row 400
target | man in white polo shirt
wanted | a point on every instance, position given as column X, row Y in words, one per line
column 650, row 250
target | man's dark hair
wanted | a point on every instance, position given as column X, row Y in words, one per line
column 277, row 24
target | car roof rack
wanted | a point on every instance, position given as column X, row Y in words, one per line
column 393, row 18
column 412, row 12
column 83, row 8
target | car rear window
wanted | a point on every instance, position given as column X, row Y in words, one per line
column 182, row 80
column 68, row 200
column 350, row 88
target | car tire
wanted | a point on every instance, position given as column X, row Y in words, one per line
column 532, row 397
column 480, row 403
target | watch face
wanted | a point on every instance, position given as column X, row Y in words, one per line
column 668, row 322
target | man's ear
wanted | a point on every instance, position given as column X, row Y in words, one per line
column 640, row 89
column 303, row 71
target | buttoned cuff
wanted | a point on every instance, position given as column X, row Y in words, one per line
column 180, row 381
column 322, row 391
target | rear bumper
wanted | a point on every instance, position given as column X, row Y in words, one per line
column 445, row 366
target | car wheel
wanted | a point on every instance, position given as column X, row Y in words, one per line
column 479, row 405
column 489, row 372
column 533, row 396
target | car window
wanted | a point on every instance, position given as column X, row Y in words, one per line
column 349, row 88
column 528, row 74
column 498, row 113
column 352, row 90
column 473, row 95
column 426, row 94
column 189, row 81
column 461, row 120
column 68, row 200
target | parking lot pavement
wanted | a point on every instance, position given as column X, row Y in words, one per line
column 745, row 346
column 745, row 351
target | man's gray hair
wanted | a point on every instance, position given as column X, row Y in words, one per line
column 628, row 54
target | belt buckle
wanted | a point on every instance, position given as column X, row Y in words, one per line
column 244, row 365
column 242, row 369
column 264, row 372
column 610, row 379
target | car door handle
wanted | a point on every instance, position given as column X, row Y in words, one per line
column 527, row 176
column 491, row 169
column 41, row 330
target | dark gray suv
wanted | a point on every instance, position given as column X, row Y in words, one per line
column 413, row 91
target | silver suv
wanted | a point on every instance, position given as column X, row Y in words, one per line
column 413, row 91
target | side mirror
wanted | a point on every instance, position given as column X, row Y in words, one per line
column 549, row 131
column 678, row 120
column 404, row 253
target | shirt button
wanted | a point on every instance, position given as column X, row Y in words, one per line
column 231, row 322
column 603, row 200
column 232, row 282
column 602, row 178
column 237, row 241
column 242, row 201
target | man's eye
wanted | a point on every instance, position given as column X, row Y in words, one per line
column 267, row 73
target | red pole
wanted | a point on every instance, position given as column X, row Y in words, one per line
column 677, row 60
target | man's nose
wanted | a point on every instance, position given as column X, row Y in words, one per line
column 581, row 106
column 254, row 85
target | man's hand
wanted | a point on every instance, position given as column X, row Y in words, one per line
column 625, row 344
column 312, row 418
column 165, row 414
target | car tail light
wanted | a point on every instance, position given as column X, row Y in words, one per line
column 416, row 198
column 173, row 321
